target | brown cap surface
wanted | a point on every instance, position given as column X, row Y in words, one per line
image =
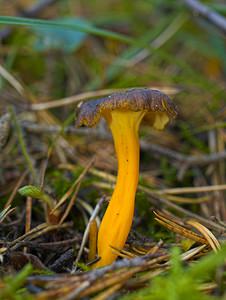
column 137, row 99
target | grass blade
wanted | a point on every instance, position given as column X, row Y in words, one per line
column 8, row 20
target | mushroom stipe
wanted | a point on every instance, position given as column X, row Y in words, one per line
column 124, row 112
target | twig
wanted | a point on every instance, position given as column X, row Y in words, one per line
column 70, row 100
column 186, row 212
column 72, row 187
column 49, row 245
column 198, row 189
column 192, row 252
column 207, row 13
column 86, row 233
column 209, row 236
column 98, row 131
column 134, row 265
column 5, row 212
column 155, row 195
column 28, row 217
column 11, row 80
column 38, row 231
column 79, row 181
column 15, row 189
column 88, row 95
column 188, row 160
column 172, row 225
column 24, row 236
column 109, row 291
column 157, row 150
column 112, row 180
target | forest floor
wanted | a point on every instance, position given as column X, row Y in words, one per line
column 56, row 180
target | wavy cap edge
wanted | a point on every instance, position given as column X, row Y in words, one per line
column 135, row 99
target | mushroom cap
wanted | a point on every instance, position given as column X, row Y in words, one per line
column 136, row 99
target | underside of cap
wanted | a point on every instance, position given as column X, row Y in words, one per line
column 137, row 99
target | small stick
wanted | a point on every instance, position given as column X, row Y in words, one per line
column 200, row 189
column 72, row 188
column 207, row 13
column 159, row 151
column 38, row 231
column 188, row 160
column 85, row 96
column 177, row 228
column 86, row 233
column 211, row 239
column 13, row 194
column 28, row 217
column 79, row 181
column 109, row 291
column 71, row 203
column 12, row 80
column 28, row 214
column 187, row 212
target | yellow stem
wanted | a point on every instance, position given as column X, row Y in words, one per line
column 117, row 221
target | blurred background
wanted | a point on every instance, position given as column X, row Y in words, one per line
column 91, row 49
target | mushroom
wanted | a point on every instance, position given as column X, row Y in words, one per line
column 123, row 112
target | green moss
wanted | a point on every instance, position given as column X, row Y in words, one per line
column 182, row 282
column 13, row 288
